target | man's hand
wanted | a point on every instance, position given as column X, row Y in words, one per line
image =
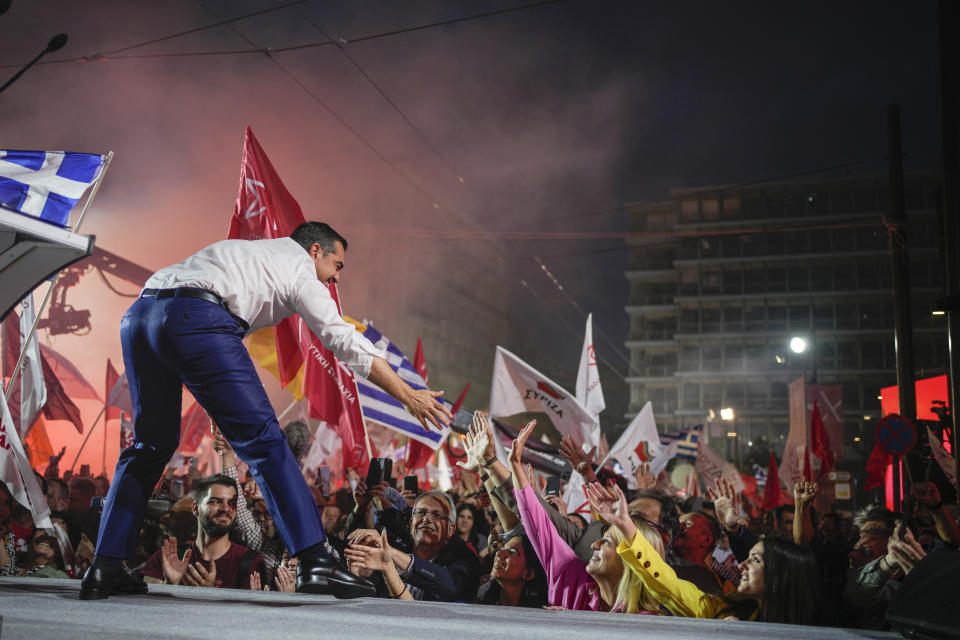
column 424, row 406
column 571, row 448
column 285, row 580
column 803, row 493
column 197, row 575
column 374, row 553
column 726, row 503
column 361, row 497
column 906, row 552
column 476, row 444
column 645, row 479
column 557, row 503
column 174, row 567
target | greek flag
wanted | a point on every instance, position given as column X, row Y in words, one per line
column 688, row 441
column 46, row 184
column 382, row 408
column 761, row 475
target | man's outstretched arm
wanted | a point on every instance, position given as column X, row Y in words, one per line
column 421, row 403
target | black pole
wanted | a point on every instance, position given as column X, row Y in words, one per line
column 899, row 266
column 56, row 42
column 948, row 14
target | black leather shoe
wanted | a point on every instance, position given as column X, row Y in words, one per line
column 325, row 575
column 98, row 583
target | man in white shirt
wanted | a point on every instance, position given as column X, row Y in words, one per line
column 187, row 329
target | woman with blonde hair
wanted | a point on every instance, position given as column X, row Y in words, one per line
column 602, row 584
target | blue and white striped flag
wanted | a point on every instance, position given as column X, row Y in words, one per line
column 688, row 441
column 382, row 408
column 760, row 473
column 46, row 184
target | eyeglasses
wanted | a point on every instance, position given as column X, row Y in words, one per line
column 261, row 515
column 423, row 513
column 650, row 523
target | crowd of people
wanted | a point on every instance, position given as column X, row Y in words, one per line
column 496, row 539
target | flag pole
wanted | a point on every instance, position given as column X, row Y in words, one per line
column 89, row 433
column 287, row 410
column 103, row 462
column 53, row 282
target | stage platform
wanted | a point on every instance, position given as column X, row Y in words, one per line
column 38, row 609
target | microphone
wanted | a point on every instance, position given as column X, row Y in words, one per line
column 56, row 42
column 4, row 5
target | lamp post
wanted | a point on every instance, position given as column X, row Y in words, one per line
column 799, row 345
column 733, row 441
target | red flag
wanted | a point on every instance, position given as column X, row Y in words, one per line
column 771, row 493
column 59, row 406
column 419, row 362
column 112, row 377
column 193, row 426
column 820, row 441
column 265, row 209
column 876, row 468
column 331, row 392
column 807, row 466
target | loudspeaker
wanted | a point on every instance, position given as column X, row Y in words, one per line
column 927, row 605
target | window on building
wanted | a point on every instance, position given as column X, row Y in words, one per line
column 826, row 354
column 776, row 279
column 798, row 278
column 690, row 358
column 843, row 239
column 731, row 205
column 823, row 315
column 797, row 242
column 733, row 357
column 710, row 209
column 754, row 318
column 841, row 199
column 732, row 319
column 871, row 354
column 851, row 395
column 758, row 357
column 871, row 315
column 732, row 284
column 689, row 210
column 710, row 282
column 712, row 395
column 753, row 280
column 845, row 276
column 777, row 318
column 757, row 394
column 690, row 321
column 691, row 394
column 734, row 394
column 865, row 198
column 711, row 320
column 799, row 316
column 847, row 357
column 710, row 355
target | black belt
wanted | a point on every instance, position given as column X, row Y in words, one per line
column 193, row 292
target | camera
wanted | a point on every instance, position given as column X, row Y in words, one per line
column 380, row 470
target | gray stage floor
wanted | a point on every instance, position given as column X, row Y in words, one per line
column 38, row 609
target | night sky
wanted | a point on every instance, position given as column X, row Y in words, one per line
column 554, row 116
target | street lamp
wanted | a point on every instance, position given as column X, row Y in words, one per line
column 727, row 415
column 798, row 345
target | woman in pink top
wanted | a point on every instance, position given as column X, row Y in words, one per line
column 603, row 584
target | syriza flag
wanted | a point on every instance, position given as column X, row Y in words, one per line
column 265, row 209
column 576, row 498
column 640, row 444
column 589, row 392
column 517, row 388
column 330, row 387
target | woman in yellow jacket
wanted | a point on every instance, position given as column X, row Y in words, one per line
column 778, row 580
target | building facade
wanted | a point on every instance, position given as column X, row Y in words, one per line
column 729, row 275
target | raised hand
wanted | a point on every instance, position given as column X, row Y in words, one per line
column 571, row 448
column 520, row 477
column 906, row 551
column 285, row 580
column 476, row 443
column 197, row 575
column 804, row 492
column 645, row 479
column 557, row 503
column 173, row 566
column 726, row 502
column 255, row 582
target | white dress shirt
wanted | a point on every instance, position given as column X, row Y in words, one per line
column 265, row 281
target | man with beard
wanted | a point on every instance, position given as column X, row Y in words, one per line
column 213, row 560
column 693, row 551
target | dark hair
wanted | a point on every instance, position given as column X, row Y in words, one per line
column 298, row 438
column 84, row 486
column 202, row 486
column 879, row 513
column 343, row 498
column 669, row 513
column 478, row 524
column 791, row 582
column 583, row 521
column 64, row 490
column 534, row 592
column 308, row 234
column 779, row 511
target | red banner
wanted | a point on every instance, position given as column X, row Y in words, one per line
column 265, row 209
column 112, row 377
column 331, row 392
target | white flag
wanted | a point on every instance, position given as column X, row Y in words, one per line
column 126, row 432
column 33, row 390
column 576, row 497
column 120, row 395
column 15, row 471
column 640, row 444
column 589, row 392
column 710, row 466
column 517, row 388
column 944, row 459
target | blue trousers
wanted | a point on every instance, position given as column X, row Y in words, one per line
column 177, row 341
